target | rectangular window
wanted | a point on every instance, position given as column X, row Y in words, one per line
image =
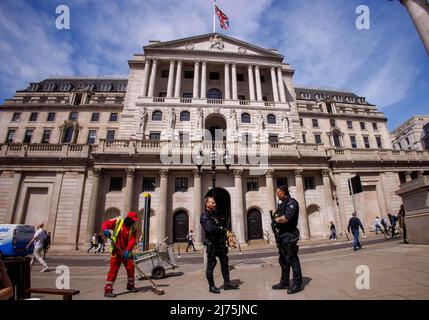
column 164, row 73
column 317, row 139
column 337, row 141
column 189, row 75
column 46, row 136
column 16, row 116
column 181, row 184
column 155, row 136
column 77, row 99
column 362, row 126
column 113, row 117
column 332, row 123
column 92, row 135
column 148, row 184
column 315, row 123
column 214, row 76
column 10, row 136
column 301, row 121
column 51, row 117
column 110, row 135
column 366, row 142
column 162, row 94
column 73, row 116
column 379, row 143
column 273, row 138
column 374, row 126
column 309, row 183
column 349, row 124
column 304, row 139
column 262, row 79
column 34, row 116
column 329, row 107
column 240, row 77
column 252, row 184
column 353, row 142
column 95, row 117
column 28, row 136
column 187, row 95
column 116, row 184
column 241, row 97
column 282, row 181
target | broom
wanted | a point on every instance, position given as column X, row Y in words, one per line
column 154, row 287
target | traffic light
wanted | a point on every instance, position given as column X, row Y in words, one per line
column 355, row 185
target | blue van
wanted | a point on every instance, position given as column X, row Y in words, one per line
column 14, row 239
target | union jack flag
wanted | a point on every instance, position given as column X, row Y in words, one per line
column 223, row 19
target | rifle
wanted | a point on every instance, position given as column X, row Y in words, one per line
column 276, row 234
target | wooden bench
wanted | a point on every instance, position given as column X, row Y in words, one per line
column 67, row 294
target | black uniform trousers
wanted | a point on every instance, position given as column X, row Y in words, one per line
column 213, row 252
column 288, row 259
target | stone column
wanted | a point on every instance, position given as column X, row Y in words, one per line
column 203, row 93
column 329, row 205
column 300, row 197
column 408, row 176
column 178, row 87
column 419, row 12
column 197, row 207
column 93, row 205
column 196, row 79
column 239, row 207
column 128, row 204
column 171, row 79
column 15, row 189
column 271, row 198
column 162, row 209
column 258, row 84
column 227, row 82
column 281, row 85
column 146, row 77
column 251, row 83
column 152, row 78
column 341, row 203
column 234, row 82
column 274, row 84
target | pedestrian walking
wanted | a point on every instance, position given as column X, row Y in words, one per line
column 100, row 244
column 401, row 221
column 333, row 235
column 384, row 224
column 354, row 225
column 46, row 244
column 393, row 220
column 190, row 238
column 38, row 240
column 94, row 243
column 377, row 225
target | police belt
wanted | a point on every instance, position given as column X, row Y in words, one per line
column 289, row 237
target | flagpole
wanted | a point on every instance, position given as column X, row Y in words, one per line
column 214, row 16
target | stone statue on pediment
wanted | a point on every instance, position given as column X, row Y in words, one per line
column 143, row 116
column 285, row 121
column 216, row 43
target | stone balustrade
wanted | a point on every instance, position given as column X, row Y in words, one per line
column 39, row 150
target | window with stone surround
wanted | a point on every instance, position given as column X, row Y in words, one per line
column 253, row 184
column 92, row 135
column 16, row 116
column 157, row 115
column 110, row 135
column 10, row 135
column 366, row 142
column 51, row 117
column 116, row 184
column 148, row 184
column 309, row 183
column 28, row 136
column 34, row 116
column 281, row 181
column 181, row 184
column 353, row 142
column 271, row 119
column 46, row 135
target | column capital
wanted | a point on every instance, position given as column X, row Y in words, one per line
column 172, row 61
column 273, row 68
column 420, row 173
column 250, row 66
column 227, row 63
column 325, row 172
column 130, row 172
column 204, row 62
column 257, row 66
column 298, row 172
column 163, row 173
column 197, row 61
column 179, row 61
column 269, row 173
column 96, row 172
column 237, row 173
column 155, row 60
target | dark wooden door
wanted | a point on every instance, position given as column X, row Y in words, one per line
column 181, row 226
column 254, row 225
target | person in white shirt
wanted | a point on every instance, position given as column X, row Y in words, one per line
column 38, row 240
column 377, row 225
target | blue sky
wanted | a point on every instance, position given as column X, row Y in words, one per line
column 387, row 64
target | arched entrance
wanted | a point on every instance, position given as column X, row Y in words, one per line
column 254, row 225
column 216, row 125
column 315, row 221
column 223, row 206
column 180, row 226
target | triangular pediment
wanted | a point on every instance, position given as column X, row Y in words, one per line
column 213, row 42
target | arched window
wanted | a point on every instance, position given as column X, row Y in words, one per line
column 245, row 118
column 157, row 116
column 271, row 119
column 214, row 94
column 185, row 116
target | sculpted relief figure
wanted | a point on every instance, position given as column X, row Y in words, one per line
column 172, row 119
column 216, row 43
column 143, row 120
column 285, row 122
column 200, row 119
column 233, row 116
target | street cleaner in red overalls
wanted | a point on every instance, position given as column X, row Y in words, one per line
column 124, row 238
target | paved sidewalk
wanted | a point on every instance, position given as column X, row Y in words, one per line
column 397, row 271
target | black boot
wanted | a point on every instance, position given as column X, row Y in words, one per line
column 295, row 289
column 230, row 286
column 109, row 294
column 281, row 286
column 132, row 289
column 214, row 289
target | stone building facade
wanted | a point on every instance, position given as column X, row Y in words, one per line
column 77, row 151
column 413, row 134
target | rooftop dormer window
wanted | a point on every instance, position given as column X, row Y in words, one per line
column 33, row 87
column 87, row 86
column 106, row 87
column 122, row 87
column 65, row 87
column 49, row 87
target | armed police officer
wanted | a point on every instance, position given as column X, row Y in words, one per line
column 215, row 243
column 285, row 222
